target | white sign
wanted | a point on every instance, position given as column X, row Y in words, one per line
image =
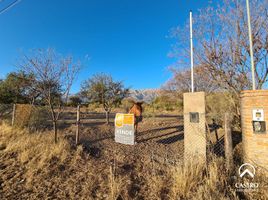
column 124, row 128
column 258, row 115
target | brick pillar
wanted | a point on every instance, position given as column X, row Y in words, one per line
column 255, row 145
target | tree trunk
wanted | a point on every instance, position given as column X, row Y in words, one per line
column 107, row 117
column 55, row 128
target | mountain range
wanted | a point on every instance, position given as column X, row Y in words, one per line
column 145, row 95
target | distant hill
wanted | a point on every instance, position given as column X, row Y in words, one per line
column 146, row 95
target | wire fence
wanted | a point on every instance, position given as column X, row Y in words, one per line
column 164, row 142
column 163, row 139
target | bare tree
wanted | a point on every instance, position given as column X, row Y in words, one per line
column 181, row 80
column 53, row 76
column 222, row 47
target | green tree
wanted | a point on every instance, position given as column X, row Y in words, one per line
column 17, row 87
column 101, row 88
column 74, row 101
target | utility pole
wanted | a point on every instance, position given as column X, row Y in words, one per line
column 251, row 48
column 192, row 58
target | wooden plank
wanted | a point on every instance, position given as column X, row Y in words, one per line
column 77, row 125
column 228, row 143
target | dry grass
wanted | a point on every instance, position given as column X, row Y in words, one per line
column 33, row 163
column 198, row 181
column 34, row 149
column 116, row 184
column 33, row 167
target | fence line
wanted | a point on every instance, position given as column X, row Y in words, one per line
column 168, row 133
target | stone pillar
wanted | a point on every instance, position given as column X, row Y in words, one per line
column 254, row 107
column 194, row 125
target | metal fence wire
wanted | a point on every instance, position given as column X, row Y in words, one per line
column 164, row 139
column 203, row 134
column 215, row 133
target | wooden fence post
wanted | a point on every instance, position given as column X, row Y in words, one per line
column 77, row 125
column 13, row 114
column 228, row 143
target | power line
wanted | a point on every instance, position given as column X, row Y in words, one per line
column 9, row 6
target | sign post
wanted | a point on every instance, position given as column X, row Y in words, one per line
column 124, row 128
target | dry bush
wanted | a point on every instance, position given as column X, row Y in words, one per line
column 164, row 104
column 126, row 105
column 40, row 118
column 116, row 184
column 94, row 107
column 33, row 117
column 155, row 184
column 23, row 114
column 217, row 104
column 198, row 181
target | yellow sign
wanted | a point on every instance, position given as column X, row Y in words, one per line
column 124, row 119
column 124, row 129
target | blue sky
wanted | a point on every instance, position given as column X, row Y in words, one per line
column 124, row 38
